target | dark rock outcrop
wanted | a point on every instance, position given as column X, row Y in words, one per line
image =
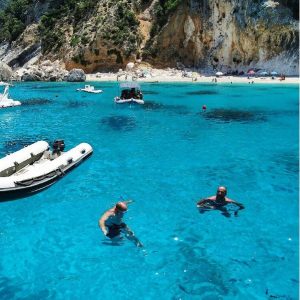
column 76, row 75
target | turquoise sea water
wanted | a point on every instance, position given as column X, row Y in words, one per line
column 165, row 156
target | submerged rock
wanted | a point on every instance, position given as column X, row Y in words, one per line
column 232, row 115
column 119, row 123
column 204, row 92
column 36, row 101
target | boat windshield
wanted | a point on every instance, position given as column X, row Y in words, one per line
column 130, row 85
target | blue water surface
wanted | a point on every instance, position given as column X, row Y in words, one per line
column 165, row 155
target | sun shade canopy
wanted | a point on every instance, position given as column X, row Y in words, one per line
column 129, row 85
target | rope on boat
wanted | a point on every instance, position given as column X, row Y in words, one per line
column 56, row 173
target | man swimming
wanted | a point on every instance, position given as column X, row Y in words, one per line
column 112, row 225
column 219, row 201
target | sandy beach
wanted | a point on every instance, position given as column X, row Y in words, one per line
column 158, row 75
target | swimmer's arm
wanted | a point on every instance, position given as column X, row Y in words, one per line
column 129, row 234
column 128, row 201
column 102, row 220
column 240, row 205
column 204, row 201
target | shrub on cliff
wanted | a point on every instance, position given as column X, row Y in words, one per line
column 60, row 13
column 13, row 19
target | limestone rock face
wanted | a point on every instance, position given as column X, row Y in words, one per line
column 5, row 72
column 211, row 35
column 206, row 34
column 230, row 35
column 76, row 75
column 44, row 71
column 22, row 51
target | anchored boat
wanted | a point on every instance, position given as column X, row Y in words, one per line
column 35, row 167
column 130, row 93
column 89, row 89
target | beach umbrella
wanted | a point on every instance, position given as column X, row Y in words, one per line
column 251, row 72
column 219, row 74
column 274, row 73
column 264, row 73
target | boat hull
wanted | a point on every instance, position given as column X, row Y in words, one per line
column 10, row 103
column 92, row 92
column 26, row 188
column 131, row 100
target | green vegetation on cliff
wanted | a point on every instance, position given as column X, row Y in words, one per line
column 60, row 13
column 3, row 4
column 13, row 19
column 98, row 33
column 120, row 26
column 114, row 21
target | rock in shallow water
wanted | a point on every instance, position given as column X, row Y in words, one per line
column 119, row 123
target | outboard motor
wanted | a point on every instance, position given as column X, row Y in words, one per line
column 58, row 146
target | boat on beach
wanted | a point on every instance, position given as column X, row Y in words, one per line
column 89, row 89
column 35, row 167
column 5, row 101
column 130, row 93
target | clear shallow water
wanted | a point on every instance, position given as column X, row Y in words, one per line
column 165, row 155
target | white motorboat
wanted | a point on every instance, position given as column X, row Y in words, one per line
column 89, row 89
column 130, row 93
column 35, row 167
column 4, row 98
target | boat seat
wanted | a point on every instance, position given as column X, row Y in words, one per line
column 18, row 166
column 7, row 172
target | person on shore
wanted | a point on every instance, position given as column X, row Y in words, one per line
column 112, row 225
column 219, row 201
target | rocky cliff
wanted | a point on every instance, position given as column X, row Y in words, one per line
column 231, row 34
column 205, row 34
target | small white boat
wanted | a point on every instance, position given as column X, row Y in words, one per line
column 89, row 89
column 4, row 98
column 130, row 93
column 35, row 167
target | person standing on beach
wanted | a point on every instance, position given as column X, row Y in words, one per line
column 112, row 225
column 219, row 201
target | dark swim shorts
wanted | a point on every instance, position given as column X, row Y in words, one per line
column 115, row 230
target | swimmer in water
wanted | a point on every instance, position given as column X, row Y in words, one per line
column 219, row 201
column 112, row 225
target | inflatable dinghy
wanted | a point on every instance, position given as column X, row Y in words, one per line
column 35, row 167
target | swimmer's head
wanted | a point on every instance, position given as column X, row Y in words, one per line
column 221, row 191
column 121, row 207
